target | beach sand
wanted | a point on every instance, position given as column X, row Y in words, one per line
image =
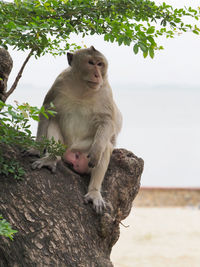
column 159, row 237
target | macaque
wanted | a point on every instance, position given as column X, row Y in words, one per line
column 87, row 119
column 78, row 160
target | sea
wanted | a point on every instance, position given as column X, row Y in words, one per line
column 161, row 124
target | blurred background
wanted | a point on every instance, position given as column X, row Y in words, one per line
column 159, row 100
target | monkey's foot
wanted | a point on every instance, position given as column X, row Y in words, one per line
column 48, row 161
column 97, row 201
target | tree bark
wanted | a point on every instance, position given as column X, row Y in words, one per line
column 6, row 64
column 55, row 227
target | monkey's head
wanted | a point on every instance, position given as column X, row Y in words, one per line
column 89, row 66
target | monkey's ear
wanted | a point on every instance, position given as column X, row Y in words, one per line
column 92, row 48
column 69, row 58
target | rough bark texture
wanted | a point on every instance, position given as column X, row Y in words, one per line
column 6, row 64
column 55, row 227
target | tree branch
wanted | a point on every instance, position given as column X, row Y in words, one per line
column 6, row 64
column 55, row 227
column 19, row 75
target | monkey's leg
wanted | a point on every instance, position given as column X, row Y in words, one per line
column 97, row 176
column 50, row 161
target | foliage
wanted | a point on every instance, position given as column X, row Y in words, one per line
column 11, row 167
column 15, row 126
column 14, row 130
column 50, row 146
column 5, row 228
column 44, row 26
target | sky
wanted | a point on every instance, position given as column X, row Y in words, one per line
column 159, row 100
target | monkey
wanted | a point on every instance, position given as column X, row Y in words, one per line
column 87, row 120
column 78, row 161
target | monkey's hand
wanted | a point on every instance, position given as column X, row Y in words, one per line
column 96, row 199
column 94, row 156
column 48, row 161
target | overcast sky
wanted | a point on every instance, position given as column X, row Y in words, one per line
column 159, row 100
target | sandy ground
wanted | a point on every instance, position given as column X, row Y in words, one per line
column 159, row 237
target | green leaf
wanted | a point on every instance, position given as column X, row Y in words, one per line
column 36, row 118
column 151, row 40
column 45, row 26
column 151, row 52
column 196, row 32
column 143, row 47
column 151, row 30
column 5, row 228
column 145, row 54
column 135, row 48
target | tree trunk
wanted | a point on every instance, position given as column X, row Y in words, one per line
column 55, row 227
column 6, row 64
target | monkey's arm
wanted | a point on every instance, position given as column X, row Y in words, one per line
column 44, row 131
column 48, row 127
column 52, row 130
column 41, row 131
column 97, row 176
column 42, row 128
column 43, row 121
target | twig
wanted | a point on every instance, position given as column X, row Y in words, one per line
column 19, row 75
column 126, row 226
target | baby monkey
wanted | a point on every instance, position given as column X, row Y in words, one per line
column 87, row 119
column 78, row 161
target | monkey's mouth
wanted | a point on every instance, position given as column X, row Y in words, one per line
column 93, row 84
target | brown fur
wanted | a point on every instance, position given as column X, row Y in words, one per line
column 87, row 120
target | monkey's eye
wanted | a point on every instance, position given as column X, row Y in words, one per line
column 91, row 62
column 100, row 64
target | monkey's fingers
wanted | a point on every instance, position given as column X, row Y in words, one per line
column 99, row 207
column 97, row 201
column 50, row 164
column 91, row 161
column 94, row 157
column 91, row 165
column 38, row 164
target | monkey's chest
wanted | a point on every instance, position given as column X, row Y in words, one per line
column 78, row 125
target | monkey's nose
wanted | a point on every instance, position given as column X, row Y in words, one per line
column 96, row 75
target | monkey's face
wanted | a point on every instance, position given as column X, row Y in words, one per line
column 90, row 66
column 93, row 72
